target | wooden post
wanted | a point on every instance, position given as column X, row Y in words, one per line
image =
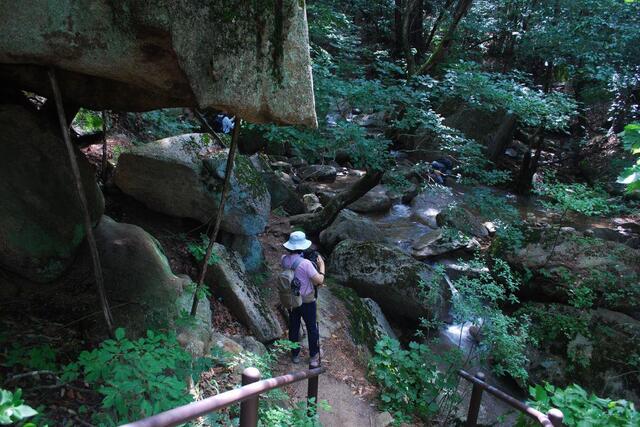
column 249, row 408
column 555, row 416
column 82, row 199
column 474, row 403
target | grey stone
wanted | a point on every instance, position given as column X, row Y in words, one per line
column 280, row 186
column 181, row 176
column 429, row 203
column 311, row 203
column 461, row 219
column 250, row 344
column 227, row 278
column 321, row 173
column 375, row 200
column 248, row 247
column 382, row 325
column 350, row 225
column 136, row 271
column 433, row 244
column 249, row 58
column 389, row 277
column 41, row 224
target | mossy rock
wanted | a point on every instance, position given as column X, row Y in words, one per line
column 41, row 223
column 391, row 278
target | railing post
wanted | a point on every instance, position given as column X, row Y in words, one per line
column 555, row 416
column 249, row 408
column 474, row 403
column 312, row 393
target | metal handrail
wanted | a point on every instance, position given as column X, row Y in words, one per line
column 248, row 394
column 553, row 418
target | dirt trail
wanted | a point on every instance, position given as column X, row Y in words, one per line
column 344, row 386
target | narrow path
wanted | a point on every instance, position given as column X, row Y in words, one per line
column 344, row 386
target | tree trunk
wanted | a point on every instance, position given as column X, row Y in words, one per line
column 436, row 24
column 441, row 51
column 530, row 165
column 502, row 137
column 406, row 14
column 314, row 223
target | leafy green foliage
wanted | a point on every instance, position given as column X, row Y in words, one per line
column 508, row 92
column 137, row 378
column 39, row 357
column 578, row 197
column 13, row 408
column 478, row 300
column 199, row 249
column 631, row 175
column 581, row 408
column 411, row 382
column 88, row 121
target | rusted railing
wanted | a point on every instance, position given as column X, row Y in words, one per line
column 247, row 395
column 553, row 418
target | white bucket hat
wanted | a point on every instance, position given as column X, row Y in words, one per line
column 297, row 242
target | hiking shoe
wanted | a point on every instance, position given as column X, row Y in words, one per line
column 314, row 362
column 295, row 359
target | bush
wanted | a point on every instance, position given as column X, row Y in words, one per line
column 137, row 378
column 12, row 407
column 411, row 382
column 582, row 409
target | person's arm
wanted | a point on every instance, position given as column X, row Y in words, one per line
column 318, row 279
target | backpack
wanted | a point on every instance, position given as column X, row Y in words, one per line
column 289, row 287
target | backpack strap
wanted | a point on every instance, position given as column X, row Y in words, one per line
column 296, row 263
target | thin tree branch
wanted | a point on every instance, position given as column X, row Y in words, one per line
column 223, row 198
column 82, row 199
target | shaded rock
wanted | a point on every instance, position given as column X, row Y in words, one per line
column 248, row 247
column 41, row 224
column 461, row 219
column 163, row 54
column 383, row 419
column 137, row 272
column 183, row 176
column 367, row 323
column 280, row 186
column 228, row 279
column 427, row 205
column 606, row 273
column 583, row 349
column 320, row 173
column 434, row 244
column 350, row 225
column 311, row 203
column 250, row 344
column 389, row 277
column 226, row 344
column 375, row 200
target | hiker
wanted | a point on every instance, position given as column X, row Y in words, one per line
column 309, row 277
column 441, row 169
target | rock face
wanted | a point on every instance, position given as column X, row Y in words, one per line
column 136, row 272
column 227, row 278
column 367, row 321
column 375, row 200
column 280, row 186
column 321, row 173
column 434, row 244
column 41, row 223
column 582, row 349
column 181, row 176
column 428, row 204
column 135, row 56
column 349, row 225
column 248, row 247
column 461, row 219
column 580, row 270
column 389, row 277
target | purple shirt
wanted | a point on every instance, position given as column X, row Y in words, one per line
column 303, row 273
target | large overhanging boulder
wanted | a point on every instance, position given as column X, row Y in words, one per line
column 249, row 58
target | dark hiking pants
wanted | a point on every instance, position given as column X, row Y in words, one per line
column 307, row 312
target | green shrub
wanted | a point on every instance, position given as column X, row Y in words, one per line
column 13, row 409
column 137, row 378
column 581, row 409
column 411, row 382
